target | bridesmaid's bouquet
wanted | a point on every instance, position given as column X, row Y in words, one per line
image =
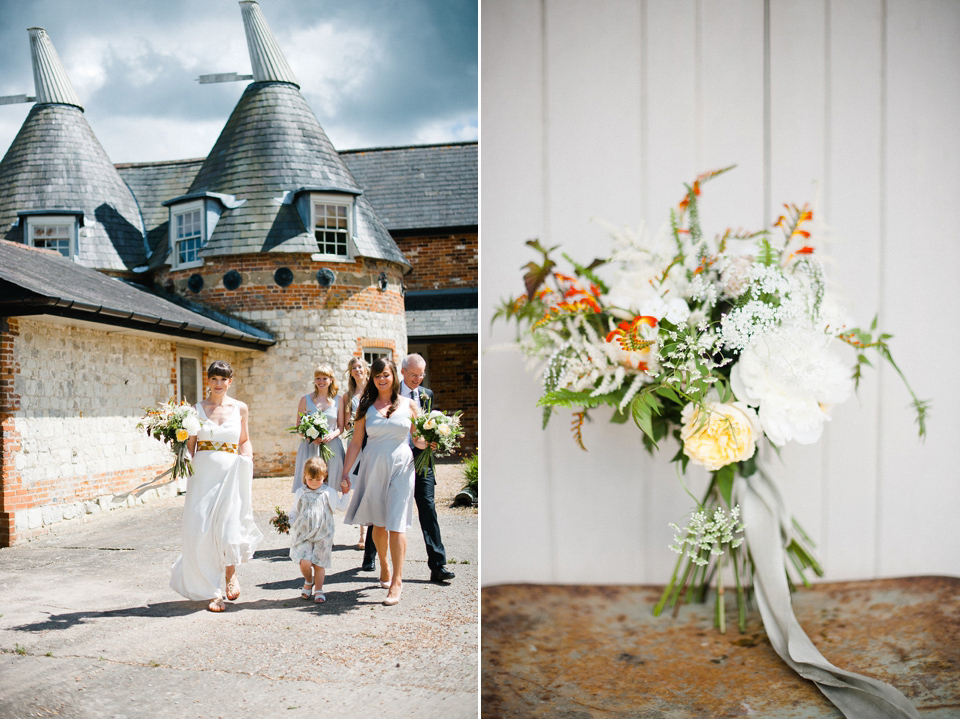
column 313, row 426
column 442, row 429
column 280, row 521
column 173, row 424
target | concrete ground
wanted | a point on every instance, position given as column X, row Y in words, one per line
column 89, row 627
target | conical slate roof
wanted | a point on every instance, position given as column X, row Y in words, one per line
column 272, row 145
column 56, row 165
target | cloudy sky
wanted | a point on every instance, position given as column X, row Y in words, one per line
column 375, row 72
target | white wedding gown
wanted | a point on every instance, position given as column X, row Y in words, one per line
column 218, row 527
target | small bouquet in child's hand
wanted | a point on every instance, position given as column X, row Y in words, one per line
column 437, row 428
column 313, row 426
column 173, row 424
column 281, row 522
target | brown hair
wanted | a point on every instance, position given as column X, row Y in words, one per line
column 370, row 392
column 315, row 468
column 220, row 369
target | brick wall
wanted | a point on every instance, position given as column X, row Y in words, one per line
column 70, row 399
column 452, row 374
column 441, row 261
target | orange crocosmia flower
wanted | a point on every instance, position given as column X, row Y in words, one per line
column 805, row 250
column 802, row 233
column 627, row 333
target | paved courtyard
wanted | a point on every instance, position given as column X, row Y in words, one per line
column 90, row 628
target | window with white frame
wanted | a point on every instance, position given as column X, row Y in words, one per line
column 331, row 226
column 187, row 234
column 372, row 353
column 53, row 232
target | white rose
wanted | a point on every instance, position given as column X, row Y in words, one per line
column 191, row 423
column 794, row 379
column 313, row 432
column 716, row 434
column 430, row 423
column 435, row 413
column 443, row 430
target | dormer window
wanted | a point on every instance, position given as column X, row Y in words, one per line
column 331, row 226
column 53, row 232
column 187, row 236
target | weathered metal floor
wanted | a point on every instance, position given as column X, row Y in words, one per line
column 575, row 652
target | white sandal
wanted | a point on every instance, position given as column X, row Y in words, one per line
column 306, row 593
column 319, row 598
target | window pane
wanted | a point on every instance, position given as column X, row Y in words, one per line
column 52, row 237
column 188, row 379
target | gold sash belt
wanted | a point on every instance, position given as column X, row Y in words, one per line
column 216, row 446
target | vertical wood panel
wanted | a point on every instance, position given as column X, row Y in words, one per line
column 850, row 216
column 919, row 491
column 797, row 141
column 593, row 52
column 516, row 516
column 732, row 110
column 672, row 33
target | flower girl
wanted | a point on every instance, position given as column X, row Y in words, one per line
column 312, row 527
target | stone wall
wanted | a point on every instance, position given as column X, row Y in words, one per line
column 70, row 399
column 273, row 382
column 311, row 324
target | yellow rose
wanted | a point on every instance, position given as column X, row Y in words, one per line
column 716, row 434
column 182, row 435
column 430, row 423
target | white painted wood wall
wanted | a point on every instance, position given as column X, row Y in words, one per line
column 603, row 108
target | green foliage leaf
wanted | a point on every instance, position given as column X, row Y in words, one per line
column 724, row 477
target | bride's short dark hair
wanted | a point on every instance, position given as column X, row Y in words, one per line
column 220, row 369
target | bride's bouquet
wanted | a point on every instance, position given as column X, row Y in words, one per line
column 313, row 425
column 173, row 424
column 723, row 343
column 444, row 430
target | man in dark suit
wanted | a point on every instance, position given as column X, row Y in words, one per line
column 412, row 368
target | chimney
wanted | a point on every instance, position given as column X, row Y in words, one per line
column 50, row 79
column 268, row 62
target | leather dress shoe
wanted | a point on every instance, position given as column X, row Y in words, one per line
column 368, row 567
column 438, row 576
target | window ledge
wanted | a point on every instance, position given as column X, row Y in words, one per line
column 320, row 257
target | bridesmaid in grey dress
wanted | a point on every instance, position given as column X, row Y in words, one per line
column 383, row 495
column 324, row 398
column 356, row 378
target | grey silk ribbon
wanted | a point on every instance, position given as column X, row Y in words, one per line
column 766, row 527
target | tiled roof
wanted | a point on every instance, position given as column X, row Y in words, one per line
column 56, row 163
column 152, row 184
column 38, row 281
column 427, row 186
column 271, row 145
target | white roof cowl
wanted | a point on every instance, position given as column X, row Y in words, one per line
column 50, row 80
column 266, row 58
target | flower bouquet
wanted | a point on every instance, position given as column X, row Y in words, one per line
column 280, row 521
column 173, row 424
column 442, row 429
column 725, row 344
column 313, row 425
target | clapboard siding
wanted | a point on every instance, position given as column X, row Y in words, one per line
column 603, row 110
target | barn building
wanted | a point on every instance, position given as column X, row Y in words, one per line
column 119, row 284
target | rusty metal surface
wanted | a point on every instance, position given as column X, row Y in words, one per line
column 572, row 652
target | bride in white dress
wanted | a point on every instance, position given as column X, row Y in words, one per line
column 218, row 528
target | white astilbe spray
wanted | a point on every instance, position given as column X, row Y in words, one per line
column 705, row 537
